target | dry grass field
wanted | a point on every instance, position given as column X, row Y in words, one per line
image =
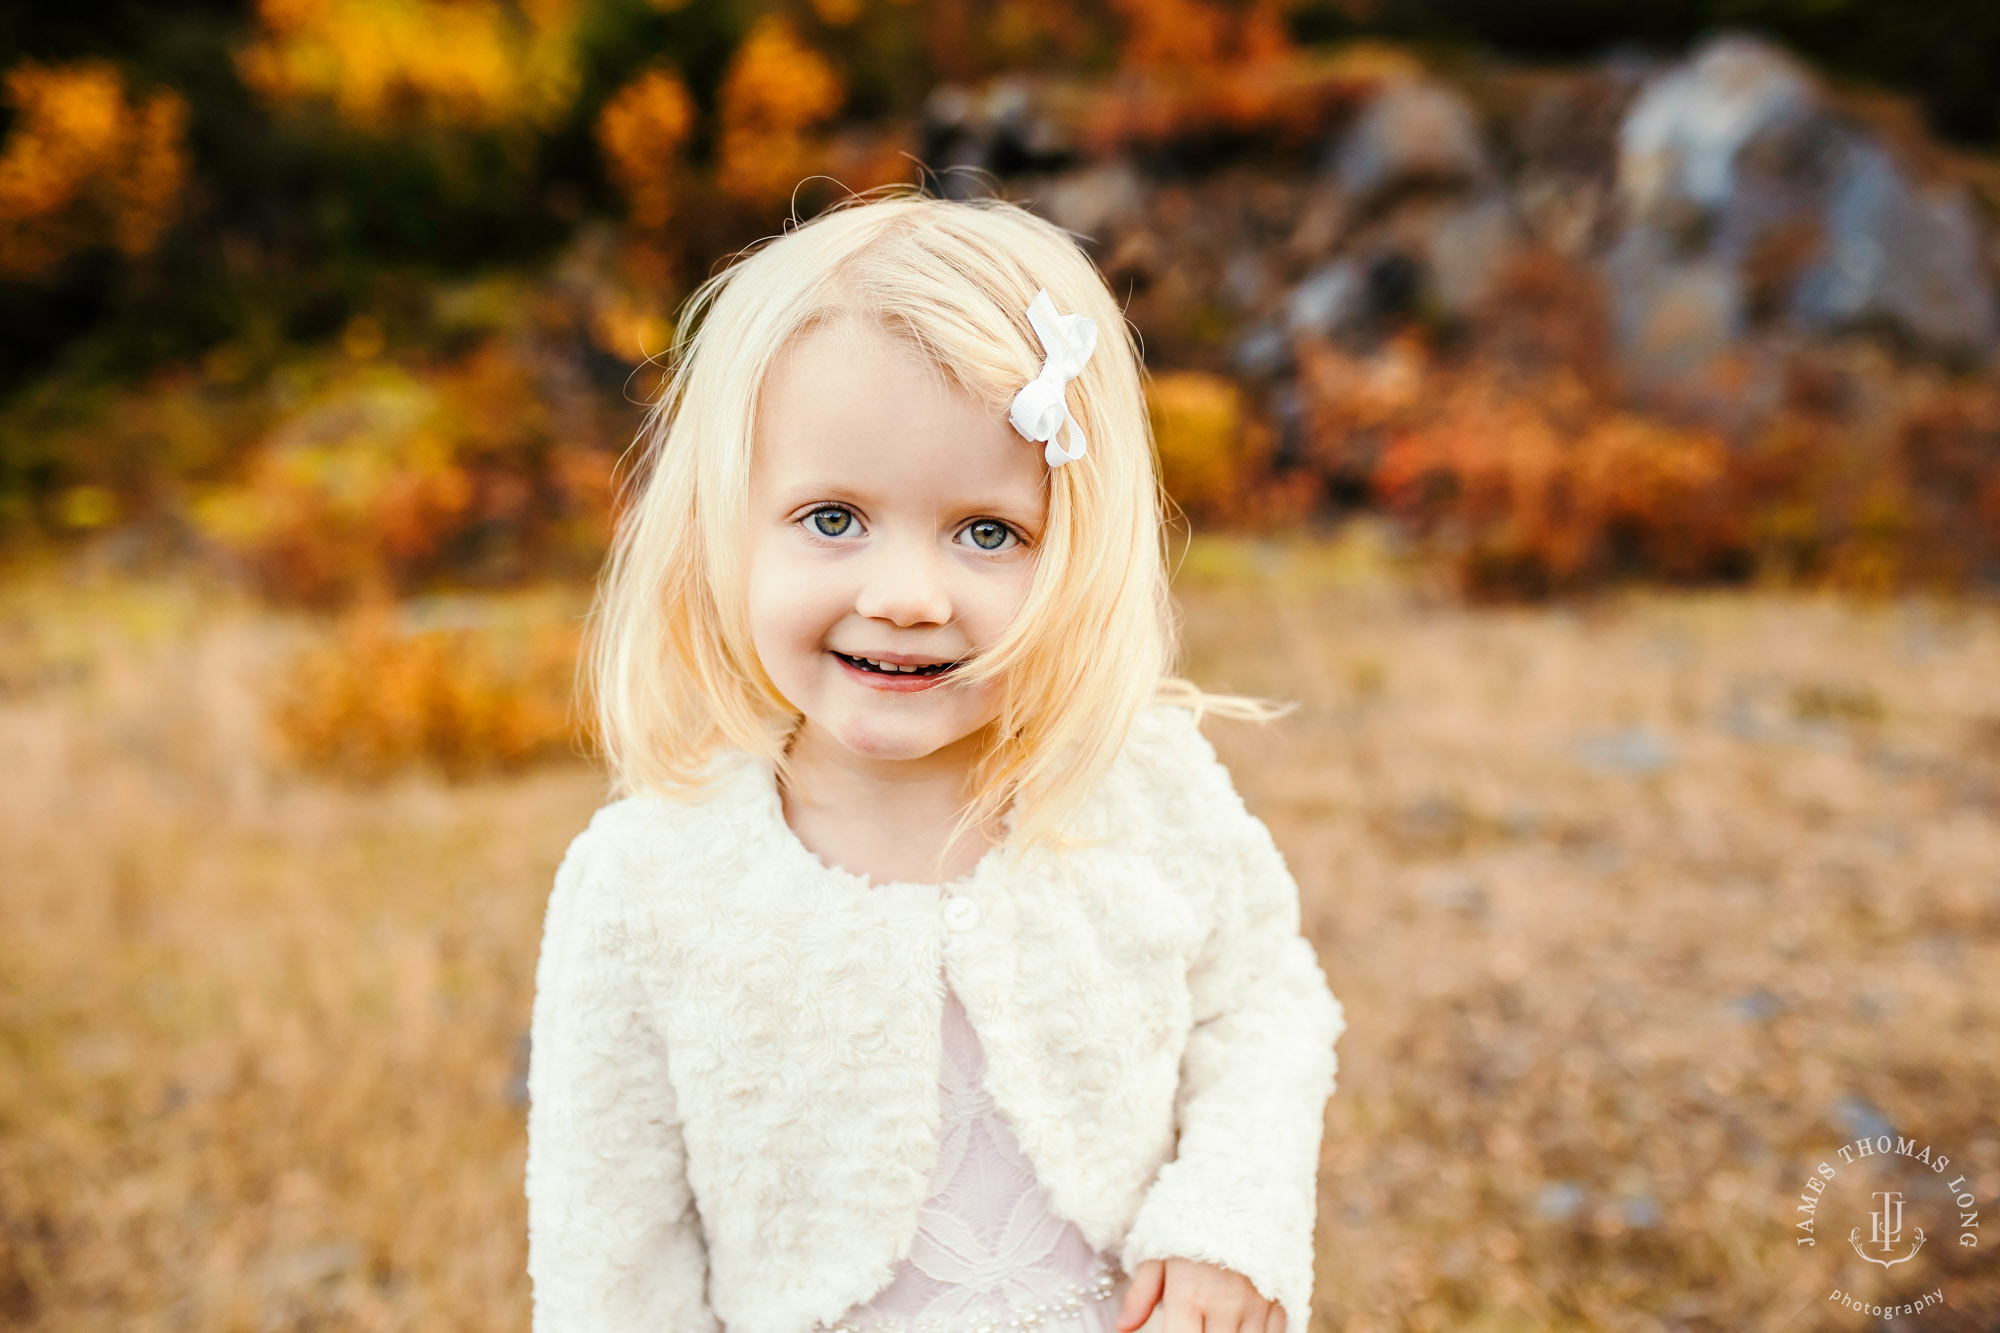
column 1639, row 908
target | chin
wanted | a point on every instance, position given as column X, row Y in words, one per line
column 876, row 738
column 873, row 740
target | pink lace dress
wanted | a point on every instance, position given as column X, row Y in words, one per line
column 989, row 1255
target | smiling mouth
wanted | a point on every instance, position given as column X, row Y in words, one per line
column 863, row 664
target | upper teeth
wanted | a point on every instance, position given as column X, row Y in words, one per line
column 891, row 666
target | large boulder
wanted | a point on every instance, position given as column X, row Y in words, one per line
column 1671, row 314
column 1331, row 299
column 1682, row 138
column 1465, row 247
column 1004, row 127
column 1359, row 293
column 1894, row 255
column 1412, row 132
column 1736, row 173
column 1095, row 202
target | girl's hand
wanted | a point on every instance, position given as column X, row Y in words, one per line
column 1198, row 1298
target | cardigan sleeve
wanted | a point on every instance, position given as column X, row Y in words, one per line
column 614, row 1241
column 1258, row 1067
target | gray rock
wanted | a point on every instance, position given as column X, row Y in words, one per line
column 1679, row 143
column 1560, row 1201
column 1412, row 131
column 1465, row 249
column 1434, row 817
column 1287, row 407
column 1565, row 214
column 1634, row 750
column 1003, row 126
column 1737, row 146
column 1329, row 299
column 304, row 1267
column 1757, row 1005
column 1896, row 256
column 1641, row 1211
column 1859, row 1119
column 1095, row 201
column 1670, row 315
column 1262, row 351
column 1245, row 279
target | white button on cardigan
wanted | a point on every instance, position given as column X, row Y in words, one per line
column 734, row 1082
column 961, row 913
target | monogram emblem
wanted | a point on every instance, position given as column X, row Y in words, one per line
column 1885, row 1230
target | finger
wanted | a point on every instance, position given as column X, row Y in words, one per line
column 1183, row 1315
column 1142, row 1295
column 1225, row 1314
column 1276, row 1322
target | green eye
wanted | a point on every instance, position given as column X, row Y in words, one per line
column 988, row 535
column 830, row 522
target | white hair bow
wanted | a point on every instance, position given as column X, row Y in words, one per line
column 1041, row 408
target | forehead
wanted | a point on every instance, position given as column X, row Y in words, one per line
column 848, row 406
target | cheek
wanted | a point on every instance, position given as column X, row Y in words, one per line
column 1000, row 599
column 789, row 607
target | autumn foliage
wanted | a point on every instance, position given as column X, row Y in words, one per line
column 1215, row 454
column 387, row 64
column 88, row 163
column 379, row 696
column 1547, row 491
column 388, row 482
column 776, row 94
column 642, row 131
column 1523, row 464
column 1187, row 136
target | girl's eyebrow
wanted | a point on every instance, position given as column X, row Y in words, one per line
column 800, row 492
column 1028, row 516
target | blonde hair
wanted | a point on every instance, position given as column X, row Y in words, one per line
column 672, row 673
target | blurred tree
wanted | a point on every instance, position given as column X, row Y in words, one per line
column 1202, row 32
column 86, row 164
column 642, row 131
column 778, row 91
column 387, row 64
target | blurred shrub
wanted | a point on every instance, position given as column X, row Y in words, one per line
column 1198, row 429
column 387, row 481
column 1948, row 451
column 1877, row 478
column 86, row 165
column 1215, row 456
column 379, row 697
column 1252, row 92
column 1517, row 456
column 775, row 94
column 386, row 64
column 84, row 457
column 1533, row 490
column 1523, row 484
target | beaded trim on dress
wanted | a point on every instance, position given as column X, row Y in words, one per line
column 1066, row 1309
column 990, row 1254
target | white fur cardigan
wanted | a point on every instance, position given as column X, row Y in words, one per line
column 733, row 1077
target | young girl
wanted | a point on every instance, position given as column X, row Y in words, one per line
column 929, row 974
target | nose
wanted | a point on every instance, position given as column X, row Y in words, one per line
column 904, row 584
